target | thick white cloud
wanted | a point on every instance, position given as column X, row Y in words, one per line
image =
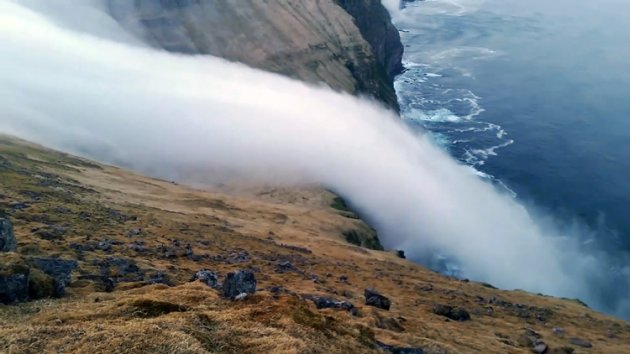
column 201, row 119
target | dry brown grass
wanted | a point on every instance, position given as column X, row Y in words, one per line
column 192, row 318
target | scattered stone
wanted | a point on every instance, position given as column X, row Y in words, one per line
column 540, row 347
column 398, row 350
column 241, row 296
column 120, row 269
column 159, row 278
column 116, row 215
column 62, row 210
column 453, row 313
column 137, row 246
column 276, row 289
column 108, row 284
column 286, row 266
column 580, row 342
column 50, row 233
column 239, row 257
column 207, row 277
column 425, row 287
column 373, row 298
column 523, row 311
column 322, row 302
column 188, row 251
column 343, row 279
column 390, row 324
column 401, row 254
column 19, row 206
column 237, row 283
column 559, row 331
column 83, row 247
column 296, row 248
column 8, row 242
column 105, row 245
column 134, row 232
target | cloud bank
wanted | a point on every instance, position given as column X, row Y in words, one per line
column 86, row 88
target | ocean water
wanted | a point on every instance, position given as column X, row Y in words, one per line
column 535, row 96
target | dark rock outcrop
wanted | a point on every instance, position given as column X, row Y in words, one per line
column 59, row 270
column 374, row 298
column 207, row 277
column 7, row 238
column 453, row 313
column 375, row 24
column 241, row 282
column 23, row 280
column 322, row 302
column 14, row 278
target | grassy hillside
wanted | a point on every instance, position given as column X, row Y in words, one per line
column 138, row 241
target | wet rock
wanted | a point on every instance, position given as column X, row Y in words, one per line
column 8, row 242
column 374, row 298
column 14, row 277
column 450, row 312
column 398, row 350
column 58, row 269
column 580, row 342
column 207, row 277
column 238, row 283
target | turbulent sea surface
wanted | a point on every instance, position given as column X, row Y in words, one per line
column 533, row 95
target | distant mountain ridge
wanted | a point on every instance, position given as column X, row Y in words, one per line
column 350, row 45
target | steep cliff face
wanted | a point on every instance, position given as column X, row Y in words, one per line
column 376, row 26
column 316, row 41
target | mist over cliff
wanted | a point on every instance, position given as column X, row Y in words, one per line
column 78, row 83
